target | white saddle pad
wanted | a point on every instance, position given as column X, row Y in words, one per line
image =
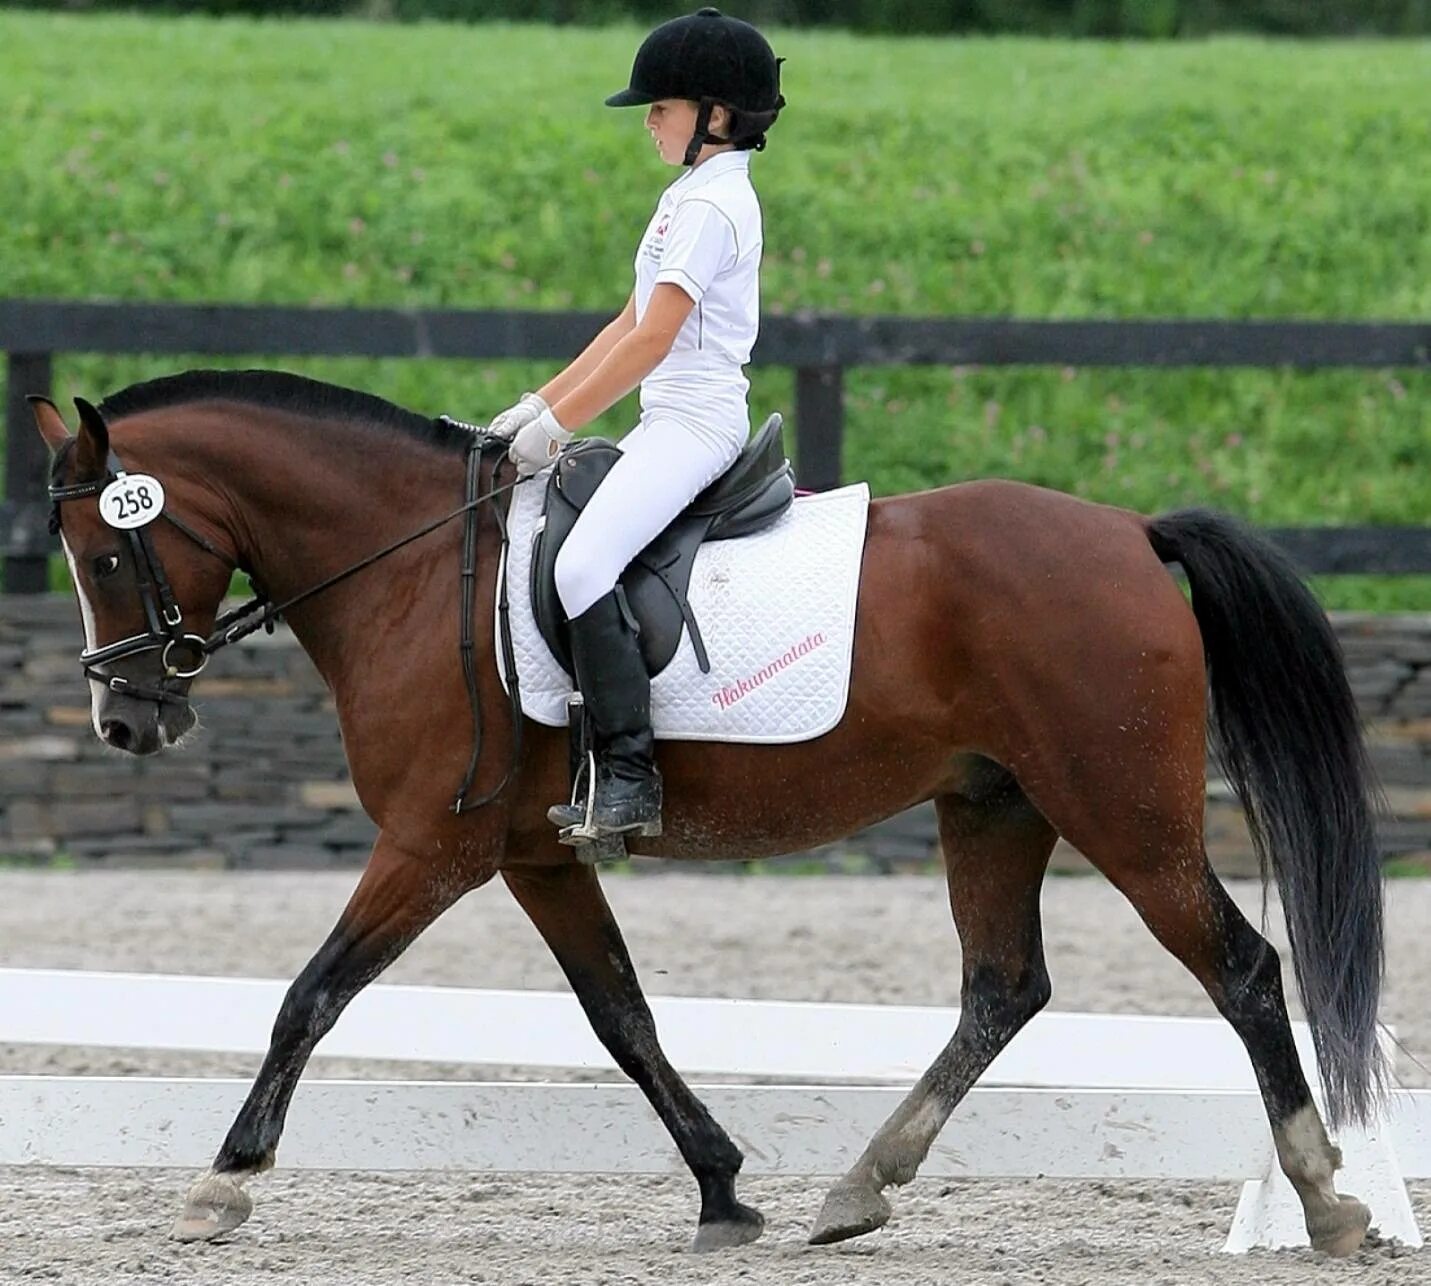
column 776, row 611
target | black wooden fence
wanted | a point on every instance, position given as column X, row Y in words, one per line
column 819, row 349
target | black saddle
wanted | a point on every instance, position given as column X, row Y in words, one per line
column 747, row 497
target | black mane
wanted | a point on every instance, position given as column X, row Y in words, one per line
column 282, row 391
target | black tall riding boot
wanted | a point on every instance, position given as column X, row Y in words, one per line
column 613, row 682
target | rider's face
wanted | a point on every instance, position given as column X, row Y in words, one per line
column 672, row 121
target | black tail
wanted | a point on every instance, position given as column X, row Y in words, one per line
column 1289, row 738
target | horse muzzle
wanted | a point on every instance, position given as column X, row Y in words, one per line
column 141, row 716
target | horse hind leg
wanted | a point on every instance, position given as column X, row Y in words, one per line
column 1143, row 830
column 1118, row 766
column 1185, row 905
column 996, row 849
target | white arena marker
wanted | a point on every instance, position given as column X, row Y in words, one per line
column 1410, row 1116
column 1269, row 1212
column 1176, row 1125
column 791, row 1040
column 596, row 1129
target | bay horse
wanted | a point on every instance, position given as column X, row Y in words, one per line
column 1022, row 658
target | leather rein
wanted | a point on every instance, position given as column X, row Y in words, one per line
column 183, row 654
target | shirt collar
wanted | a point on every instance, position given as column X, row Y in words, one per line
column 709, row 170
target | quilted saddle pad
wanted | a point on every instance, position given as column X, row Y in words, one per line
column 776, row 610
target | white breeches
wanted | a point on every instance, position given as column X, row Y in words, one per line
column 666, row 461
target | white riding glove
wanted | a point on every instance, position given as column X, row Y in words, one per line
column 537, row 444
column 506, row 425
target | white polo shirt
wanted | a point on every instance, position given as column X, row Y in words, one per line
column 706, row 238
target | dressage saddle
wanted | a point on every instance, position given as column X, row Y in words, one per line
column 756, row 490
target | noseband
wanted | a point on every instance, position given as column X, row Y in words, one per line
column 182, row 654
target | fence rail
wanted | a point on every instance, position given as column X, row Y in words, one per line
column 818, row 348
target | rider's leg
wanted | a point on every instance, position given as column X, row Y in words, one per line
column 664, row 465
column 611, row 676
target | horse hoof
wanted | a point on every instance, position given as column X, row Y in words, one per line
column 849, row 1211
column 724, row 1234
column 1339, row 1232
column 216, row 1205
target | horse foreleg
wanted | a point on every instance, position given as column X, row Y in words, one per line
column 566, row 905
column 995, row 853
column 395, row 900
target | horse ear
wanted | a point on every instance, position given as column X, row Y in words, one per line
column 49, row 421
column 92, row 456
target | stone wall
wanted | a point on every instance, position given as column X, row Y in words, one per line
column 264, row 783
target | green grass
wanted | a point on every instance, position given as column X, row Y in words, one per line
column 37, row 861
column 353, row 163
column 1406, row 868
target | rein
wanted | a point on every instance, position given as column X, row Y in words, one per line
column 165, row 618
column 231, row 626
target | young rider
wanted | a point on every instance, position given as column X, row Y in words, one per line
column 711, row 86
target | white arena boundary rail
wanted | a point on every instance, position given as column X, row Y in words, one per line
column 1075, row 1096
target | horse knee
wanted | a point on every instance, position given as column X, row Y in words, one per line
column 1001, row 1003
column 297, row 1019
column 309, row 1010
column 1036, row 991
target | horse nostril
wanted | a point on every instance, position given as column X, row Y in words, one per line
column 116, row 734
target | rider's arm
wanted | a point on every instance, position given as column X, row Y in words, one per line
column 591, row 356
column 628, row 361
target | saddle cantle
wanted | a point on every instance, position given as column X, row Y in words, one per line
column 746, row 498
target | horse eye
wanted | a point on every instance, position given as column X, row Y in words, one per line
column 106, row 565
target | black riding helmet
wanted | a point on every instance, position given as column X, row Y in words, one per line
column 708, row 58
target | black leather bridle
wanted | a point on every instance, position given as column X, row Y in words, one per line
column 183, row 654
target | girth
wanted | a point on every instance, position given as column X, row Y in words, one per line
column 756, row 490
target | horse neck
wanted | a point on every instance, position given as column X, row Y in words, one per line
column 305, row 499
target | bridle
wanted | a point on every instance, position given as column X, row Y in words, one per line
column 184, row 654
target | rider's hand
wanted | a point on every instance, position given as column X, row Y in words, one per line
column 537, row 444
column 506, row 425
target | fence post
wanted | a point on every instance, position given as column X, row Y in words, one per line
column 26, row 572
column 819, row 425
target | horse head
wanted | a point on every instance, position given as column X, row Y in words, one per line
column 148, row 584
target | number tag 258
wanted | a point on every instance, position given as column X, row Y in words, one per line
column 134, row 500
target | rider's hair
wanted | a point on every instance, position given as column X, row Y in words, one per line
column 746, row 130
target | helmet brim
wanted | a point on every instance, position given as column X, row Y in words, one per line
column 629, row 98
